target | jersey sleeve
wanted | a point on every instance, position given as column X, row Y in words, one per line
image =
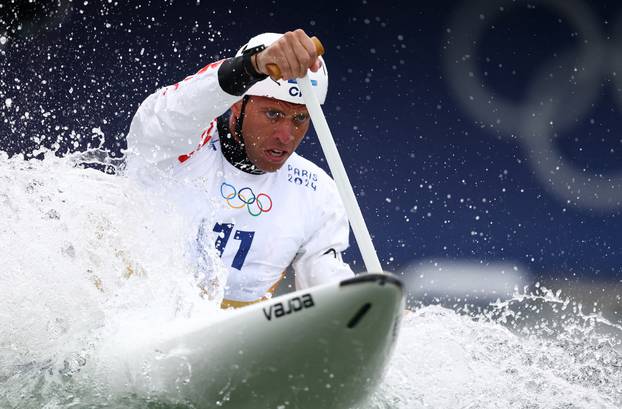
column 170, row 122
column 319, row 259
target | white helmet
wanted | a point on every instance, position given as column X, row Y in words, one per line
column 282, row 89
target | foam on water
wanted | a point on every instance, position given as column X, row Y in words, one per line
column 85, row 255
column 88, row 256
column 445, row 359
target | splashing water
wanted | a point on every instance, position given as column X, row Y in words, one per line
column 536, row 350
column 88, row 255
column 84, row 254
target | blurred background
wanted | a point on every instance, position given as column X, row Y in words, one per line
column 483, row 138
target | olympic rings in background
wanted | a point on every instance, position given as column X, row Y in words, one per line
column 561, row 93
column 237, row 199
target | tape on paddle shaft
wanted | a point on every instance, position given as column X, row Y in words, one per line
column 275, row 72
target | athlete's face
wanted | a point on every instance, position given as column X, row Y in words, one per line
column 272, row 130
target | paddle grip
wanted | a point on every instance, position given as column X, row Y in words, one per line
column 275, row 72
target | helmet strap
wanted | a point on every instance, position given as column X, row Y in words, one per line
column 239, row 121
column 235, row 150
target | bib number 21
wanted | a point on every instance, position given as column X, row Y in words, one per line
column 224, row 231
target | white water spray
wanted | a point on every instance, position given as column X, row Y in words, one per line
column 86, row 257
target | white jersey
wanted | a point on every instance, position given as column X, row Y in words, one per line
column 264, row 222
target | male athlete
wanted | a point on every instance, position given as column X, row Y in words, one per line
column 233, row 131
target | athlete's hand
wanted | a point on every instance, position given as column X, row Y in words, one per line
column 294, row 54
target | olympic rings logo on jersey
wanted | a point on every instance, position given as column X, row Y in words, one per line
column 561, row 91
column 245, row 197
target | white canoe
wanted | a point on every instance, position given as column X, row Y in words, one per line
column 325, row 347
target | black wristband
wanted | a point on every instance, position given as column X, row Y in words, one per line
column 248, row 61
column 236, row 75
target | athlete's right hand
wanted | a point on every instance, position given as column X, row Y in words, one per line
column 294, row 53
